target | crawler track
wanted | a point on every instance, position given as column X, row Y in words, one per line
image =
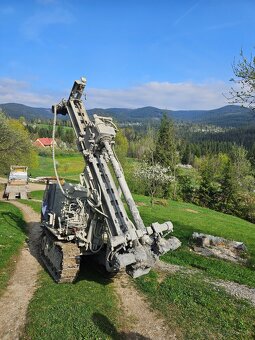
column 62, row 259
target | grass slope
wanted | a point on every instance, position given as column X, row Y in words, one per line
column 188, row 218
column 69, row 166
column 195, row 309
column 192, row 307
column 12, row 236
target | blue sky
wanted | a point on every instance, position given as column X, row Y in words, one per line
column 169, row 54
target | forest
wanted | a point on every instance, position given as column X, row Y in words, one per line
column 214, row 170
column 202, row 164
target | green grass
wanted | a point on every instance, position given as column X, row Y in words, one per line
column 87, row 309
column 12, row 237
column 194, row 309
column 188, row 218
column 212, row 267
column 37, row 194
column 49, row 126
column 69, row 166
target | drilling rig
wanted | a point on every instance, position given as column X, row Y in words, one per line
column 90, row 218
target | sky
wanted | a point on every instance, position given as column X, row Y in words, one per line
column 168, row 54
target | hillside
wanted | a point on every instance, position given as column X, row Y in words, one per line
column 181, row 298
column 227, row 116
column 15, row 110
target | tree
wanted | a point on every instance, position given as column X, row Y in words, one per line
column 188, row 185
column 252, row 154
column 154, row 176
column 244, row 91
column 166, row 146
column 143, row 147
column 241, row 167
column 60, row 132
column 166, row 149
column 15, row 145
column 211, row 169
column 121, row 147
column 68, row 136
column 187, row 156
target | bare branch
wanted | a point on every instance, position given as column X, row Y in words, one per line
column 243, row 92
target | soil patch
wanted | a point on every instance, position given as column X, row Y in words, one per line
column 143, row 322
column 192, row 211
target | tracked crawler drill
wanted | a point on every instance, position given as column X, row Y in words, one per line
column 90, row 218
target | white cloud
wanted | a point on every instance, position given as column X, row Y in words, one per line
column 15, row 91
column 165, row 95
column 173, row 96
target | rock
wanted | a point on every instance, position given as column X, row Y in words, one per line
column 209, row 245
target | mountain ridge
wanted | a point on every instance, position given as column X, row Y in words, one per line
column 226, row 116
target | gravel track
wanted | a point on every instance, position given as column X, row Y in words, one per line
column 235, row 289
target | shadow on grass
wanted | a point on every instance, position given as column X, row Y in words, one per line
column 14, row 221
column 34, row 240
column 103, row 323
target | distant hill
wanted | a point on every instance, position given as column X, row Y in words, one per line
column 227, row 116
column 15, row 110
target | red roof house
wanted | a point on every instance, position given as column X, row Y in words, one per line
column 44, row 142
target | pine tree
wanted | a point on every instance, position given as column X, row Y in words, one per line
column 166, row 145
column 166, row 150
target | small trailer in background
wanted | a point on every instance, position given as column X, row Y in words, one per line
column 17, row 185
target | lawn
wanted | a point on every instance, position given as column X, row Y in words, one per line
column 12, row 237
column 49, row 126
column 69, row 166
column 37, row 194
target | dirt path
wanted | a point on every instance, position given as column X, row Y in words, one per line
column 15, row 300
column 143, row 322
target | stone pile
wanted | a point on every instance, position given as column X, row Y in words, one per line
column 209, row 245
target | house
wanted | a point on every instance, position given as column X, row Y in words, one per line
column 44, row 142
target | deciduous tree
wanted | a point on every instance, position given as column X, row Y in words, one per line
column 15, row 145
column 243, row 91
column 154, row 176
